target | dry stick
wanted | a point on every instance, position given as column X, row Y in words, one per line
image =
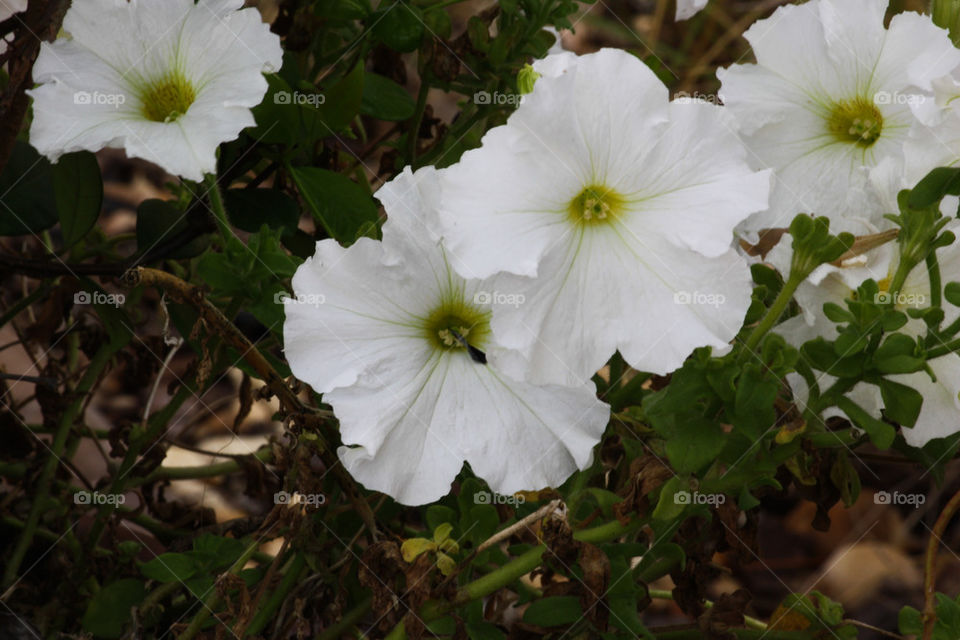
column 542, row 512
column 306, row 418
column 929, row 580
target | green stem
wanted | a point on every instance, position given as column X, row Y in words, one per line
column 773, row 313
column 214, row 599
column 23, row 303
column 663, row 594
column 417, row 118
column 202, row 471
column 97, row 364
column 297, row 566
column 216, row 205
column 351, row 618
column 933, row 268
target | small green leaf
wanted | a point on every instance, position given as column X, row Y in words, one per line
column 385, row 99
column 26, row 186
column 78, row 190
column 484, row 631
column 170, row 567
column 952, row 293
column 934, row 186
column 109, row 610
column 339, row 204
column 413, row 547
column 399, row 26
column 881, row 433
column 553, row 611
column 900, row 402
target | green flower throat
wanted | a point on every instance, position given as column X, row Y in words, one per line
column 856, row 121
column 168, row 98
column 458, row 326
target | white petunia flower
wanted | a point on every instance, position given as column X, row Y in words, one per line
column 621, row 204
column 829, row 98
column 688, row 8
column 396, row 341
column 167, row 80
column 940, row 413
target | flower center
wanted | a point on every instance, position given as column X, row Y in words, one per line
column 167, row 99
column 458, row 326
column 857, row 121
column 595, row 205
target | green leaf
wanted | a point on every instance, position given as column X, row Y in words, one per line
column 754, row 406
column 669, row 506
column 951, row 293
column 342, row 206
column 900, row 402
column 910, row 621
column 341, row 102
column 553, row 611
column 218, row 551
column 484, row 631
column 78, row 191
column 398, row 26
column 414, row 547
column 109, row 610
column 385, row 99
column 250, row 209
column 159, row 221
column 934, row 186
column 437, row 514
column 881, row 433
column 694, row 442
column 26, row 186
column 896, row 355
column 343, row 10
column 170, row 567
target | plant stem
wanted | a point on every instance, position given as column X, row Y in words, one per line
column 773, row 314
column 203, row 471
column 753, row 623
column 415, row 121
column 335, row 631
column 90, row 377
column 216, row 206
column 929, row 580
column 214, row 599
column 297, row 566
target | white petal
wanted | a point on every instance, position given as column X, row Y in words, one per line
column 687, row 8
column 414, row 436
column 940, row 412
column 582, row 309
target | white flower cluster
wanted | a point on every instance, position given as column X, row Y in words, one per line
column 601, row 216
column 594, row 213
column 848, row 113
